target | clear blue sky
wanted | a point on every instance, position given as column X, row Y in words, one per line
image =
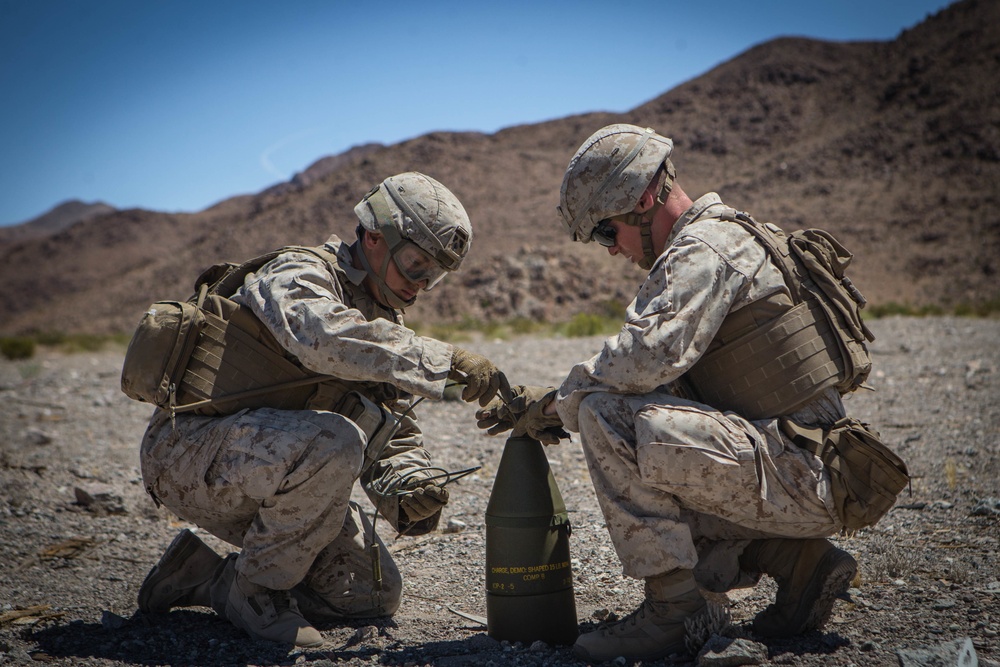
column 173, row 105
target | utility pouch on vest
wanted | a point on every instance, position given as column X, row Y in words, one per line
column 378, row 423
column 865, row 475
column 826, row 260
column 159, row 351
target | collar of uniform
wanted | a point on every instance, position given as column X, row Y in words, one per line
column 344, row 260
column 696, row 210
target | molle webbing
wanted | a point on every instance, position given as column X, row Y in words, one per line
column 235, row 355
column 237, row 364
column 773, row 369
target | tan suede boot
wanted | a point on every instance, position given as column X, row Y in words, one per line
column 181, row 578
column 269, row 614
column 811, row 575
column 654, row 630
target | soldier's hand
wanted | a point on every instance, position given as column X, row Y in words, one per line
column 524, row 414
column 423, row 502
column 533, row 421
column 496, row 417
column 482, row 379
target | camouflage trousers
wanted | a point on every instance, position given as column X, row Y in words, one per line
column 276, row 483
column 682, row 485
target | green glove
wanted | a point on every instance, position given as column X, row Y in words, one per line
column 423, row 502
column 482, row 379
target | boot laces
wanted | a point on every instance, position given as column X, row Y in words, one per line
column 629, row 621
column 269, row 603
column 280, row 600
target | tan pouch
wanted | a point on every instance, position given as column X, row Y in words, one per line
column 378, row 423
column 865, row 475
column 159, row 351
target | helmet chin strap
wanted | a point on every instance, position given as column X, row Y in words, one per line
column 645, row 220
column 385, row 294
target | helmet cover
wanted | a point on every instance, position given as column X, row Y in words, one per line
column 608, row 175
column 415, row 207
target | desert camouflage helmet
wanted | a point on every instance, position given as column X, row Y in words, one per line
column 608, row 174
column 414, row 207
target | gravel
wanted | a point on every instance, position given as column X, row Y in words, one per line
column 78, row 534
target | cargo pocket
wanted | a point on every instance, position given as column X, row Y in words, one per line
column 700, row 456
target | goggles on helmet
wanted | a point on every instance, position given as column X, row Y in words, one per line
column 447, row 256
column 416, row 265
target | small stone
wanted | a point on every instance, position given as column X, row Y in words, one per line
column 364, row 633
column 986, row 507
column 455, row 526
column 36, row 436
column 112, row 621
column 725, row 652
column 960, row 653
column 100, row 499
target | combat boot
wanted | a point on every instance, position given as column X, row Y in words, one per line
column 811, row 574
column 181, row 578
column 269, row 614
column 654, row 630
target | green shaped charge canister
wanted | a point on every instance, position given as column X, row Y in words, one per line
column 529, row 579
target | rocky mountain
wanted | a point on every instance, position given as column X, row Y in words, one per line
column 892, row 146
column 61, row 217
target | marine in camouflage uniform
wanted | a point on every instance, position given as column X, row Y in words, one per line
column 691, row 495
column 277, row 482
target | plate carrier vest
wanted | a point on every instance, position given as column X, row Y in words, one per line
column 775, row 356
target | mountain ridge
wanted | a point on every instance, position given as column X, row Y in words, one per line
column 894, row 147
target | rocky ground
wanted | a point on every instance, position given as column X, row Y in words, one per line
column 78, row 534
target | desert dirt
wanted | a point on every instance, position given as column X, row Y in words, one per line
column 78, row 533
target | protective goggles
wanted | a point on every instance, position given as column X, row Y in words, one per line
column 604, row 233
column 446, row 256
column 416, row 265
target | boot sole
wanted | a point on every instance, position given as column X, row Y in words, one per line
column 181, row 548
column 835, row 572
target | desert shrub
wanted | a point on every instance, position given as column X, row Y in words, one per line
column 886, row 559
column 987, row 308
column 589, row 324
column 50, row 338
column 17, row 347
column 84, row 343
column 526, row 325
column 877, row 310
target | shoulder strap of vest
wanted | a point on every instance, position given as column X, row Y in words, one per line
column 225, row 279
column 775, row 242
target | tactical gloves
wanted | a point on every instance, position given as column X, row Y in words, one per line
column 524, row 414
column 423, row 502
column 482, row 379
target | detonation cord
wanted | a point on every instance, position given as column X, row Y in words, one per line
column 401, row 485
